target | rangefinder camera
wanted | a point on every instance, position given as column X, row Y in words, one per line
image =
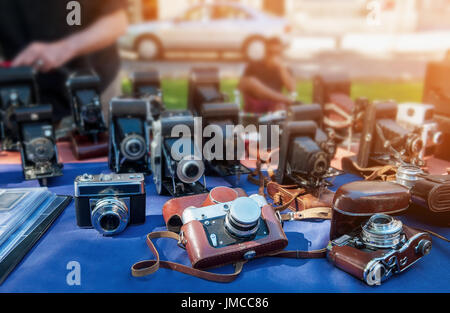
column 129, row 143
column 37, row 142
column 109, row 202
column 176, row 160
column 378, row 249
column 18, row 88
column 84, row 94
column 227, row 228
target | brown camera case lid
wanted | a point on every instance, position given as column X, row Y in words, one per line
column 202, row 255
column 365, row 198
column 173, row 209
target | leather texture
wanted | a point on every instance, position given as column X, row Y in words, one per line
column 84, row 148
column 433, row 193
column 173, row 209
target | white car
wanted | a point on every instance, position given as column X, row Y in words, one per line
column 207, row 27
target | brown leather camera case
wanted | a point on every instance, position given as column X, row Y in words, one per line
column 173, row 209
column 203, row 255
column 84, row 148
column 353, row 203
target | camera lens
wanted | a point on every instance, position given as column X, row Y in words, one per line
column 133, row 147
column 110, row 216
column 242, row 219
column 382, row 231
column 190, row 170
column 90, row 114
column 40, row 150
column 319, row 164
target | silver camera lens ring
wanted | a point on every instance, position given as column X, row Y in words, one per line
column 320, row 164
column 382, row 231
column 190, row 170
column 40, row 150
column 129, row 143
column 110, row 216
column 407, row 175
column 438, row 138
column 242, row 220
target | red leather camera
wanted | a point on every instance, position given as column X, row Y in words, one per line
column 225, row 226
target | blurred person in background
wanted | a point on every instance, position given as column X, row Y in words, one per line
column 263, row 81
column 38, row 34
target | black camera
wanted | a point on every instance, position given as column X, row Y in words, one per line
column 37, row 142
column 177, row 163
column 147, row 85
column 383, row 141
column 18, row 88
column 109, row 202
column 129, row 131
column 302, row 160
column 217, row 112
column 84, row 94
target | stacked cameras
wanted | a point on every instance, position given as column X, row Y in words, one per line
column 27, row 125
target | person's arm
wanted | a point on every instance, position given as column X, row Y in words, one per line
column 48, row 56
column 253, row 87
column 286, row 76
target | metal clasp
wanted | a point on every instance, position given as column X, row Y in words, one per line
column 181, row 241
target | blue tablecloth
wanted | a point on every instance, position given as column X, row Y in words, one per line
column 105, row 261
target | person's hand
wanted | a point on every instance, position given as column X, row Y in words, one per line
column 44, row 57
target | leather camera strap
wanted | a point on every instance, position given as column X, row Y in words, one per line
column 383, row 172
column 144, row 268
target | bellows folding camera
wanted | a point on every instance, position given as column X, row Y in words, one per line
column 226, row 226
column 109, row 202
column 206, row 101
column 37, row 142
column 176, row 161
column 147, row 85
column 17, row 88
column 84, row 94
column 129, row 131
column 303, row 160
column 366, row 241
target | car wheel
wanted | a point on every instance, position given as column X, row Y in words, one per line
column 255, row 49
column 149, row 49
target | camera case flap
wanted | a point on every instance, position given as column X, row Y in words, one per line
column 220, row 111
column 33, row 113
column 386, row 109
column 375, row 266
column 325, row 86
column 173, row 209
column 354, row 202
column 169, row 119
column 203, row 255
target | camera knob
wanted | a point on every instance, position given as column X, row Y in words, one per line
column 424, row 247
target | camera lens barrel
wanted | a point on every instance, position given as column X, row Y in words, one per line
column 110, row 216
column 382, row 231
column 40, row 150
column 133, row 147
column 190, row 170
column 408, row 175
column 242, row 220
column 319, row 164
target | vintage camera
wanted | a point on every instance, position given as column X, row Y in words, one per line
column 206, row 101
column 383, row 141
column 147, row 85
column 419, row 116
column 225, row 227
column 109, row 202
column 38, row 149
column 302, row 160
column 84, row 94
column 18, row 88
column 129, row 131
column 366, row 241
column 176, row 161
column 379, row 248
